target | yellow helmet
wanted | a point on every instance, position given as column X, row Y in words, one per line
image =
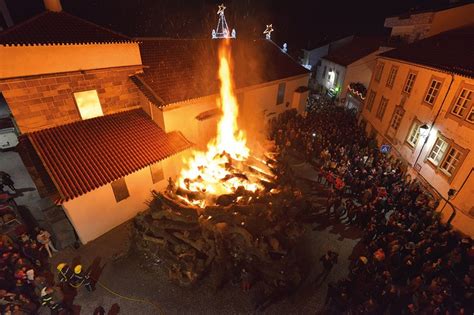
column 61, row 266
column 78, row 269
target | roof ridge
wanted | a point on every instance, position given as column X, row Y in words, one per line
column 96, row 25
column 26, row 22
column 87, row 120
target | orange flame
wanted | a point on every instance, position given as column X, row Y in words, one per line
column 212, row 172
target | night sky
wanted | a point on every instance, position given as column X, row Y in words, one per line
column 300, row 23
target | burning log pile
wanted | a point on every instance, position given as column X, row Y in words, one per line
column 251, row 231
column 228, row 213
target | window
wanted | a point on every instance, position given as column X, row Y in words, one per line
column 324, row 72
column 370, row 100
column 379, row 71
column 438, row 151
column 414, row 134
column 462, row 103
column 470, row 116
column 446, row 156
column 88, row 104
column 156, row 172
column 382, row 108
column 337, row 78
column 451, row 161
column 410, row 82
column 281, row 93
column 396, row 118
column 391, row 76
column 120, row 189
column 433, row 91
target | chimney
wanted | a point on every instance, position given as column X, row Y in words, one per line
column 53, row 5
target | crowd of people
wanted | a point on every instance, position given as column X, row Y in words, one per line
column 23, row 273
column 411, row 262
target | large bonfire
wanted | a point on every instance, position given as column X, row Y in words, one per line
column 228, row 212
column 219, row 170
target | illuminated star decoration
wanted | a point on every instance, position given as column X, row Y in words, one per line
column 221, row 9
column 222, row 30
column 268, row 31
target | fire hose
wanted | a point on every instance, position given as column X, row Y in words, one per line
column 155, row 305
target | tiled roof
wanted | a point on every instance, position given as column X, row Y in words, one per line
column 84, row 155
column 59, row 28
column 146, row 90
column 183, row 69
column 356, row 49
column 451, row 52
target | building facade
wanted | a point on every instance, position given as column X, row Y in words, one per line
column 67, row 85
column 420, row 102
column 413, row 26
column 311, row 59
column 353, row 63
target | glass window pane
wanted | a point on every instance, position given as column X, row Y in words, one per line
column 88, row 104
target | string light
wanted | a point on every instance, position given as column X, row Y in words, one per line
column 222, row 30
column 268, row 31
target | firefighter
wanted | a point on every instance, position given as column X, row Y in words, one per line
column 50, row 299
column 64, row 273
column 79, row 278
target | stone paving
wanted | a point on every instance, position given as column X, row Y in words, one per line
column 120, row 269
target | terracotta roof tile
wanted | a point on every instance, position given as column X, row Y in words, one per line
column 59, row 28
column 452, row 52
column 146, row 90
column 85, row 155
column 183, row 69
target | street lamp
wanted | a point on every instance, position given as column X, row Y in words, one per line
column 424, row 130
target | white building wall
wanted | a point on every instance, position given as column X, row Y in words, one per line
column 415, row 108
column 361, row 71
column 323, row 79
column 421, row 25
column 20, row 61
column 257, row 105
column 97, row 212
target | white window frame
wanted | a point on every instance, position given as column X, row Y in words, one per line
column 470, row 116
column 462, row 102
column 433, row 91
column 410, row 82
column 281, row 93
column 451, row 161
column 414, row 134
column 379, row 71
column 396, row 118
column 382, row 108
column 370, row 100
column 391, row 76
column 438, row 151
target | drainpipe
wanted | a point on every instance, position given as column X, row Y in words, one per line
column 464, row 182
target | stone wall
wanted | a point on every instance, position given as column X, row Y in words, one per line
column 43, row 101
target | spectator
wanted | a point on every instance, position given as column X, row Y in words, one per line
column 44, row 238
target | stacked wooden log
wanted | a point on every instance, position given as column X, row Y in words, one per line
column 254, row 233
